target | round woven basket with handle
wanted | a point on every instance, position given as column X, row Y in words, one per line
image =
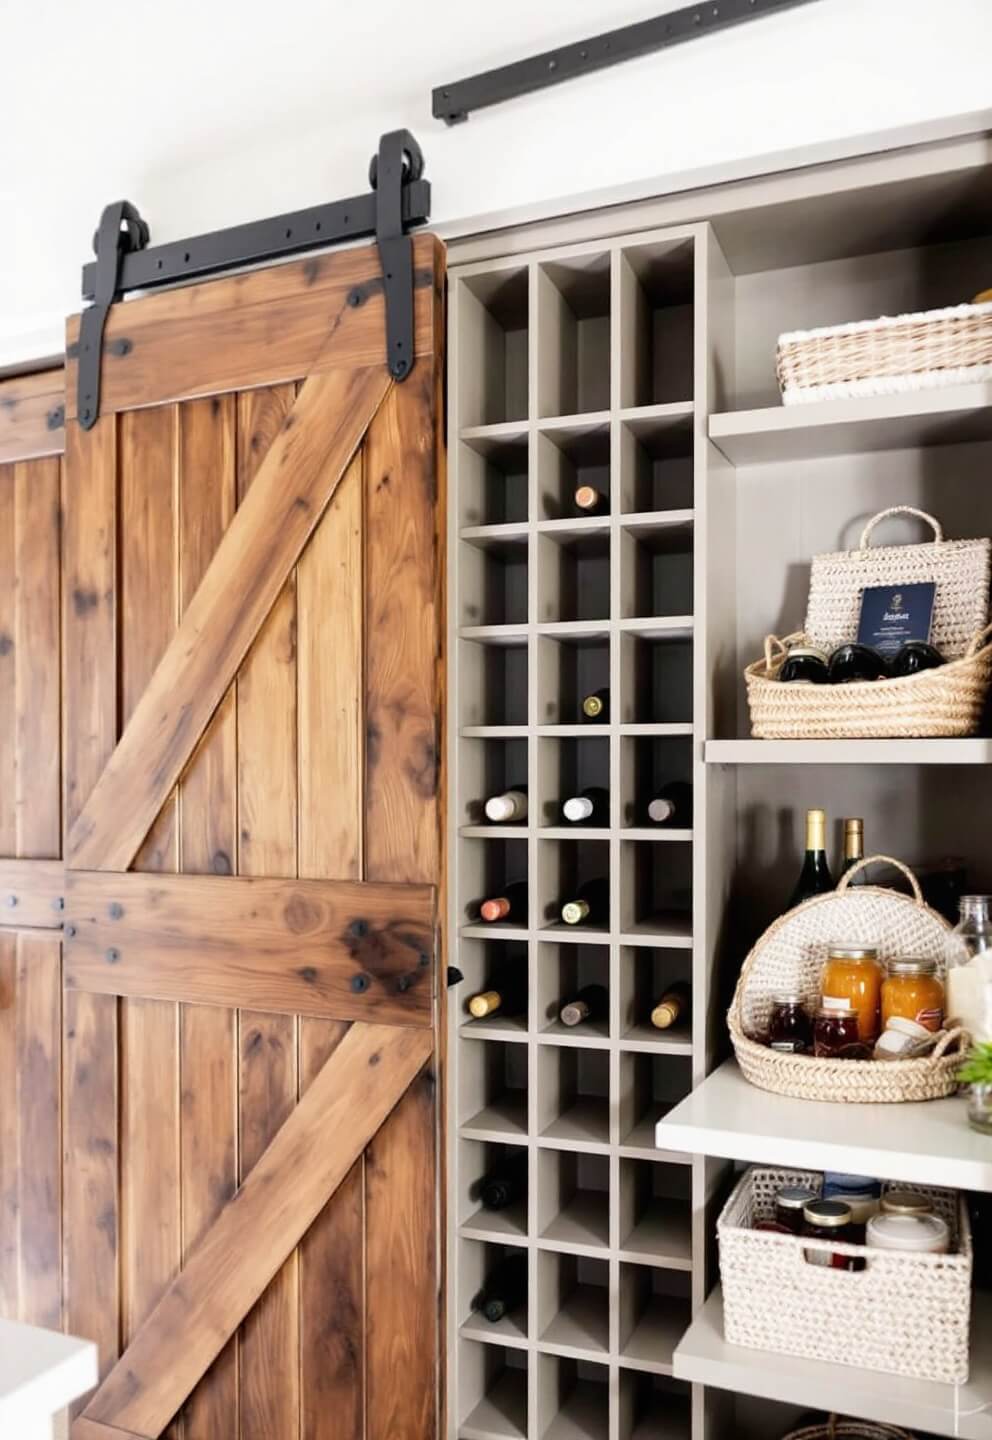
column 835, row 1429
column 790, row 956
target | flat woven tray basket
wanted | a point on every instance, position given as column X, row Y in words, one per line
column 790, row 956
column 943, row 702
column 888, row 356
column 836, row 1429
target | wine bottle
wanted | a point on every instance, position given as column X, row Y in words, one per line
column 596, row 706
column 814, row 877
column 509, row 904
column 591, row 807
column 590, row 905
column 591, row 501
column 672, row 805
column 505, row 994
column 854, row 849
column 511, row 805
column 506, row 1183
column 505, row 1288
column 591, row 1003
column 673, row 1006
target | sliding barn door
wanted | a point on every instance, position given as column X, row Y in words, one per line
column 252, row 628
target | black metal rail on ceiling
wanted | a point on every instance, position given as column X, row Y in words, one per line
column 456, row 101
column 398, row 201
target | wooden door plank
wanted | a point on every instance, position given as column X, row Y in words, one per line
column 330, row 624
column 91, row 1205
column 402, row 1270
column 83, row 1429
column 346, row 1104
column 292, row 947
column 151, row 1229
column 9, row 1147
column 267, row 840
column 260, row 328
column 37, row 485
column 208, row 845
column 266, row 685
column 32, row 894
column 39, row 1166
column 32, row 415
column 8, row 662
column 297, row 478
column 402, row 638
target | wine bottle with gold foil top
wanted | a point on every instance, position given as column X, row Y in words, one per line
column 814, row 877
column 672, row 1007
column 505, row 994
column 854, row 848
column 596, row 707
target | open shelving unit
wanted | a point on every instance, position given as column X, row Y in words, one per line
column 634, row 351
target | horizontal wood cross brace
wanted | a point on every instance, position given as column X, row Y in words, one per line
column 259, row 1228
column 342, row 950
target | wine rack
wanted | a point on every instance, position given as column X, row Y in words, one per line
column 594, row 366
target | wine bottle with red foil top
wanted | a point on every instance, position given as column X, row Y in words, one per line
column 590, row 501
column 509, row 905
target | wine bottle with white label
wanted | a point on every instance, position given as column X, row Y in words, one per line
column 509, row 807
column 591, row 807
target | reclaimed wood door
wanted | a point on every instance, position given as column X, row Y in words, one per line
column 252, row 627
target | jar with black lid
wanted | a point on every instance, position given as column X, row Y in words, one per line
column 805, row 665
column 854, row 662
column 913, row 657
column 790, row 1028
column 829, row 1220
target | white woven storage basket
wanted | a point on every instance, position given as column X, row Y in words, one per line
column 888, row 356
column 905, row 1313
column 836, row 1429
column 790, row 956
column 959, row 569
column 937, row 703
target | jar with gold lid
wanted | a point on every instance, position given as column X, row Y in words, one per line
column 852, row 977
column 913, row 990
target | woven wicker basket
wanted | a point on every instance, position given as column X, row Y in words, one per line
column 835, row 1429
column 904, row 1313
column 888, row 356
column 958, row 568
column 942, row 702
column 790, row 956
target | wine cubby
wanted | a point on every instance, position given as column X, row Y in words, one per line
column 554, row 601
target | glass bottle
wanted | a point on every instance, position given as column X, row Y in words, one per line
column 969, row 968
column 815, row 877
column 854, row 848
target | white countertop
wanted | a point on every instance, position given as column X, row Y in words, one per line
column 41, row 1372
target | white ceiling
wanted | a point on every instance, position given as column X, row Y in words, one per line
column 206, row 112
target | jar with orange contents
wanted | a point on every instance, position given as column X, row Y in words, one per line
column 913, row 990
column 852, row 976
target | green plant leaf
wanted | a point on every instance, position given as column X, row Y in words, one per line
column 977, row 1068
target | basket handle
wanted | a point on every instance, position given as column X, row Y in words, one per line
column 849, row 875
column 776, row 649
column 946, row 1040
column 976, row 643
column 866, row 533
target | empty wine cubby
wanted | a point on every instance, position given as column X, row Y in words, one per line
column 493, row 341
column 556, row 601
column 654, row 1311
column 573, row 1202
column 574, row 351
column 494, row 486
